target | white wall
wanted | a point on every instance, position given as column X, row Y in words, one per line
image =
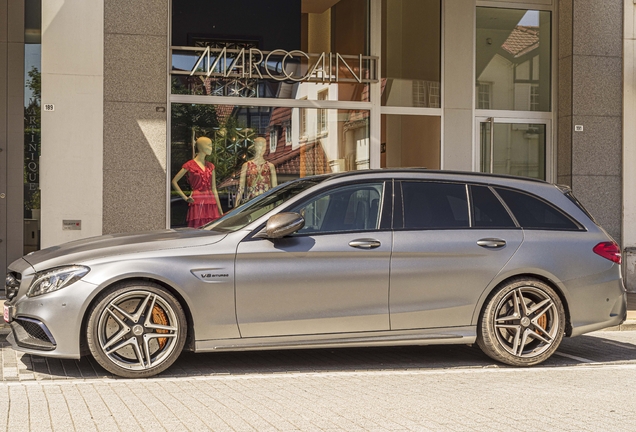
column 72, row 135
column 629, row 146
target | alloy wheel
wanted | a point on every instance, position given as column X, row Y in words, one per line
column 138, row 330
column 526, row 322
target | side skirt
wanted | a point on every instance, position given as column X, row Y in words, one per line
column 438, row 336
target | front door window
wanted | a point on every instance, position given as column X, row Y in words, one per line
column 513, row 148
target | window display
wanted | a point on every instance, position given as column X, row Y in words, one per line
column 257, row 175
column 203, row 201
column 242, row 163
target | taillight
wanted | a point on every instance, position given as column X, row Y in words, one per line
column 608, row 250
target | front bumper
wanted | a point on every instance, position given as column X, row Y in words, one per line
column 51, row 324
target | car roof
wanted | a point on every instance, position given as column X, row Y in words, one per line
column 399, row 171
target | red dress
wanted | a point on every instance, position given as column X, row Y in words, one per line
column 204, row 209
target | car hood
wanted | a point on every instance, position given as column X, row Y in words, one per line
column 80, row 251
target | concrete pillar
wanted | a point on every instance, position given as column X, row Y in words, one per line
column 135, row 114
column 629, row 145
column 11, row 130
column 459, row 84
column 590, row 86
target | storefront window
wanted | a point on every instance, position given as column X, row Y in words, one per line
column 32, row 122
column 223, row 155
column 411, row 48
column 410, row 141
column 513, row 59
column 282, row 49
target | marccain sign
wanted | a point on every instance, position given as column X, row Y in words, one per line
column 278, row 65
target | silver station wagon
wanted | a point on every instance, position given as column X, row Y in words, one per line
column 378, row 257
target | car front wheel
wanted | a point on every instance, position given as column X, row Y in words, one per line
column 522, row 324
column 136, row 330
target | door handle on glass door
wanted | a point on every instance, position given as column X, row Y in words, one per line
column 365, row 243
column 491, row 242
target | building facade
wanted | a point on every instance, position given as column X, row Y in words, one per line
column 540, row 88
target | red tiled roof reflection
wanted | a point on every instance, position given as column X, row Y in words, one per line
column 522, row 40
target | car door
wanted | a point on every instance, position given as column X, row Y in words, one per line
column 450, row 241
column 332, row 276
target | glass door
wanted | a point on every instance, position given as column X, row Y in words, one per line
column 514, row 147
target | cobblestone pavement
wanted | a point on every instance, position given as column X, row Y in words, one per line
column 589, row 385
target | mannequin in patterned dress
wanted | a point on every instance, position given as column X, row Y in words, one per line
column 203, row 202
column 257, row 175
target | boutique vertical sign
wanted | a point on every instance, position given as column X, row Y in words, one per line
column 32, row 144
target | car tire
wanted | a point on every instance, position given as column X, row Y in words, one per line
column 522, row 323
column 136, row 329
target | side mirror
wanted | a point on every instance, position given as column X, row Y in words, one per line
column 284, row 224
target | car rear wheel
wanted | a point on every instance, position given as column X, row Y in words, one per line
column 522, row 323
column 136, row 330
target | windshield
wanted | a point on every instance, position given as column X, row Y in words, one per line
column 242, row 216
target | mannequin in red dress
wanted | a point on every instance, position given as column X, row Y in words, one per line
column 203, row 202
column 257, row 175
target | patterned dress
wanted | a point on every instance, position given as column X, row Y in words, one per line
column 204, row 209
column 258, row 179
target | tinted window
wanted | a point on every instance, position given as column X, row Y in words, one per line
column 488, row 210
column 349, row 208
column 434, row 205
column 531, row 212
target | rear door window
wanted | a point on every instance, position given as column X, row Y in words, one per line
column 429, row 205
column 487, row 210
column 533, row 213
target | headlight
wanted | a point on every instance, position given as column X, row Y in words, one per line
column 55, row 279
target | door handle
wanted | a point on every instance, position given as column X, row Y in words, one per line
column 365, row 243
column 491, row 243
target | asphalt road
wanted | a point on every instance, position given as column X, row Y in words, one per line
column 589, row 385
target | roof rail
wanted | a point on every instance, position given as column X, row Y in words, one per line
column 449, row 172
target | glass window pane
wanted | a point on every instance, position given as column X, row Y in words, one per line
column 411, row 47
column 349, row 208
column 519, row 149
column 513, row 59
column 434, row 205
column 244, row 159
column 534, row 213
column 410, row 141
column 488, row 212
column 32, row 124
column 296, row 33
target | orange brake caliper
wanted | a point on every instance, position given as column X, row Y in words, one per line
column 159, row 317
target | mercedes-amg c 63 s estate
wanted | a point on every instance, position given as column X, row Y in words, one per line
column 378, row 257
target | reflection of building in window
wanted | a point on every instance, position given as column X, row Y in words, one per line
column 484, row 95
column 534, row 97
column 513, row 54
column 434, row 98
column 322, row 113
column 256, row 118
column 426, row 94
column 302, row 123
column 288, row 136
column 273, row 140
column 419, row 94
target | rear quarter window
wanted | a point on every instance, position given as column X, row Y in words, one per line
column 534, row 213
